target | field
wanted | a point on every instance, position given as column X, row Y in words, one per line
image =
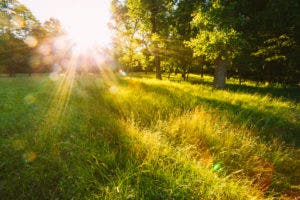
column 113, row 137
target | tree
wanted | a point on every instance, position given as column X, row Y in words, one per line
column 216, row 40
column 275, row 53
column 53, row 28
column 14, row 54
column 17, row 24
column 142, row 24
column 125, row 42
column 269, row 26
column 257, row 40
column 182, row 31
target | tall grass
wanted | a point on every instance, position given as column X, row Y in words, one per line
column 90, row 137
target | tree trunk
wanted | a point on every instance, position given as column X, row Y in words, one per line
column 157, row 62
column 188, row 73
column 240, row 76
column 155, row 52
column 220, row 74
column 183, row 75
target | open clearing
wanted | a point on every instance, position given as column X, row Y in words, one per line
column 91, row 137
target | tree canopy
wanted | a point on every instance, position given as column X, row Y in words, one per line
column 256, row 40
column 21, row 35
column 253, row 40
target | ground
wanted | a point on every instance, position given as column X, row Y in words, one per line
column 134, row 137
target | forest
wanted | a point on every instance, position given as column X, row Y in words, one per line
column 247, row 40
column 188, row 99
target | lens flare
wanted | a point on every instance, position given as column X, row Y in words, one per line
column 87, row 24
column 29, row 156
column 31, row 41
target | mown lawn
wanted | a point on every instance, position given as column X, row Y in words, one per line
column 111, row 137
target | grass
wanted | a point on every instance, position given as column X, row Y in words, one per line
column 90, row 137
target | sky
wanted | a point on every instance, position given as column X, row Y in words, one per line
column 85, row 20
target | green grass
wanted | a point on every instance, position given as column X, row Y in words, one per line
column 109, row 137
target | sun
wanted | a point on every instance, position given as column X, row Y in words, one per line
column 84, row 20
column 86, row 23
column 86, row 44
column 88, row 31
column 87, row 35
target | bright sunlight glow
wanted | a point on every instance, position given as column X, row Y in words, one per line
column 86, row 21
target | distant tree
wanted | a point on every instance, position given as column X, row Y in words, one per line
column 257, row 40
column 279, row 28
column 53, row 28
column 142, row 24
column 125, row 42
column 17, row 24
column 155, row 16
column 14, row 54
column 272, row 31
column 182, row 31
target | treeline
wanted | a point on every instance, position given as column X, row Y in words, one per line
column 21, row 39
column 248, row 39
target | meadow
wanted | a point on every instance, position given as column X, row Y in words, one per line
column 113, row 137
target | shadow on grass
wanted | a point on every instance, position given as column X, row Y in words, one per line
column 87, row 154
column 290, row 93
column 132, row 172
column 265, row 122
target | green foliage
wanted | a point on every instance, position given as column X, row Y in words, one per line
column 14, row 54
column 216, row 44
column 259, row 40
column 217, row 40
column 275, row 49
column 21, row 34
column 141, row 28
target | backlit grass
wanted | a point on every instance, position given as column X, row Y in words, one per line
column 92, row 137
